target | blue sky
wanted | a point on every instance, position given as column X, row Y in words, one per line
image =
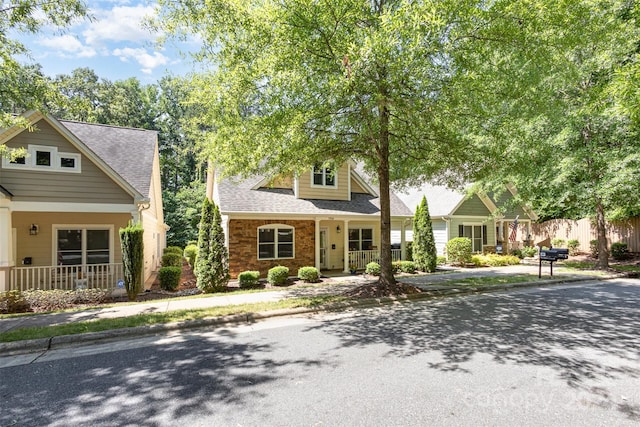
column 115, row 45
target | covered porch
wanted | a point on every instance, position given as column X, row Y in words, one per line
column 347, row 244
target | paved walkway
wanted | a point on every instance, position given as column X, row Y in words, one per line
column 335, row 285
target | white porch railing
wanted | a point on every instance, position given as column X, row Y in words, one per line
column 68, row 277
column 360, row 259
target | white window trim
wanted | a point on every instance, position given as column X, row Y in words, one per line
column 276, row 227
column 360, row 236
column 83, row 227
column 324, row 177
column 56, row 159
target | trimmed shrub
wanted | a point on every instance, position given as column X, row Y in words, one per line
column 212, row 262
column 573, row 246
column 593, row 248
column 249, row 279
column 517, row 253
column 373, row 268
column 408, row 267
column 277, row 276
column 309, row 274
column 459, row 250
column 169, row 278
column 558, row 243
column 190, row 253
column 173, row 250
column 132, row 245
column 529, row 251
column 441, row 260
column 172, row 259
column 494, row 260
column 619, row 251
column 424, row 245
column 395, row 267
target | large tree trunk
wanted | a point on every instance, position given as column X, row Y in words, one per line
column 386, row 270
column 601, row 228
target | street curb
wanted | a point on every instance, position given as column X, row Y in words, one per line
column 50, row 343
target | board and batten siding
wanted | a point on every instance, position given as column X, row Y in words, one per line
column 91, row 185
column 340, row 192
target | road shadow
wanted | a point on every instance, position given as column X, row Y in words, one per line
column 557, row 328
column 146, row 386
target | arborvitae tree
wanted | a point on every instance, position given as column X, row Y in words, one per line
column 132, row 243
column 212, row 266
column 218, row 255
column 424, row 245
column 202, row 270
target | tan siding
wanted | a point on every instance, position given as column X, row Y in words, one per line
column 91, row 185
column 40, row 246
column 357, row 188
column 622, row 231
column 281, row 182
column 340, row 192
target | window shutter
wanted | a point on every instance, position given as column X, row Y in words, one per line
column 461, row 231
column 484, row 234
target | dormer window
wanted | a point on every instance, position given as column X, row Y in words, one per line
column 45, row 158
column 324, row 175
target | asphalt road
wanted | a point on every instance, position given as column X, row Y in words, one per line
column 550, row 356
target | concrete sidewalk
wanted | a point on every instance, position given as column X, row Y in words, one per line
column 432, row 283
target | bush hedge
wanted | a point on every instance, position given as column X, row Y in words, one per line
column 619, row 251
column 173, row 250
column 459, row 250
column 558, row 242
column 169, row 278
column 172, row 259
column 190, row 253
column 573, row 246
column 277, row 276
column 249, row 279
column 308, row 274
column 494, row 260
column 373, row 268
column 404, row 267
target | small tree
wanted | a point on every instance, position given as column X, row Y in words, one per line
column 212, row 266
column 424, row 246
column 131, row 240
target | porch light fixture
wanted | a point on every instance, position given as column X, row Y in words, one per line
column 338, row 229
column 33, row 230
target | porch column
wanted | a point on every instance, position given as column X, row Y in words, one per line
column 345, row 227
column 317, row 244
column 6, row 248
column 403, row 243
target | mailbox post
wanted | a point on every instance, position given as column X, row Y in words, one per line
column 551, row 255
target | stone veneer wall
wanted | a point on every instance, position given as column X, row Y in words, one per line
column 243, row 246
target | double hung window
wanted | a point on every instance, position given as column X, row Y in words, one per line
column 276, row 242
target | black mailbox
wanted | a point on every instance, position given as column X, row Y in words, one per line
column 549, row 255
column 562, row 253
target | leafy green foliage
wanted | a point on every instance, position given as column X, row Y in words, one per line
column 169, row 278
column 173, row 249
column 132, row 244
column 372, row 268
column 278, row 275
column 529, row 251
column 249, row 279
column 309, row 274
column 181, row 213
column 459, row 251
column 190, row 253
column 573, row 245
column 619, row 251
column 404, row 267
column 212, row 262
column 494, row 260
column 594, row 247
column 558, row 242
column 172, row 259
column 424, row 245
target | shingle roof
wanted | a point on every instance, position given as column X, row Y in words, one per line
column 238, row 196
column 128, row 151
column 440, row 199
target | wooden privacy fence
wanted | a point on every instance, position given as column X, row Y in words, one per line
column 583, row 231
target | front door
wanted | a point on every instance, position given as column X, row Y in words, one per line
column 323, row 249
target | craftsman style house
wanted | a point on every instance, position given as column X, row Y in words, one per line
column 486, row 219
column 327, row 218
column 62, row 205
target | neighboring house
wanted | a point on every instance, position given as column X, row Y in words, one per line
column 62, row 205
column 325, row 218
column 476, row 216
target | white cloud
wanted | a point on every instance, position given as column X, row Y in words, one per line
column 141, row 56
column 122, row 23
column 67, row 45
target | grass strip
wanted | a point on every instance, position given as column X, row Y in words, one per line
column 146, row 319
column 490, row 281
